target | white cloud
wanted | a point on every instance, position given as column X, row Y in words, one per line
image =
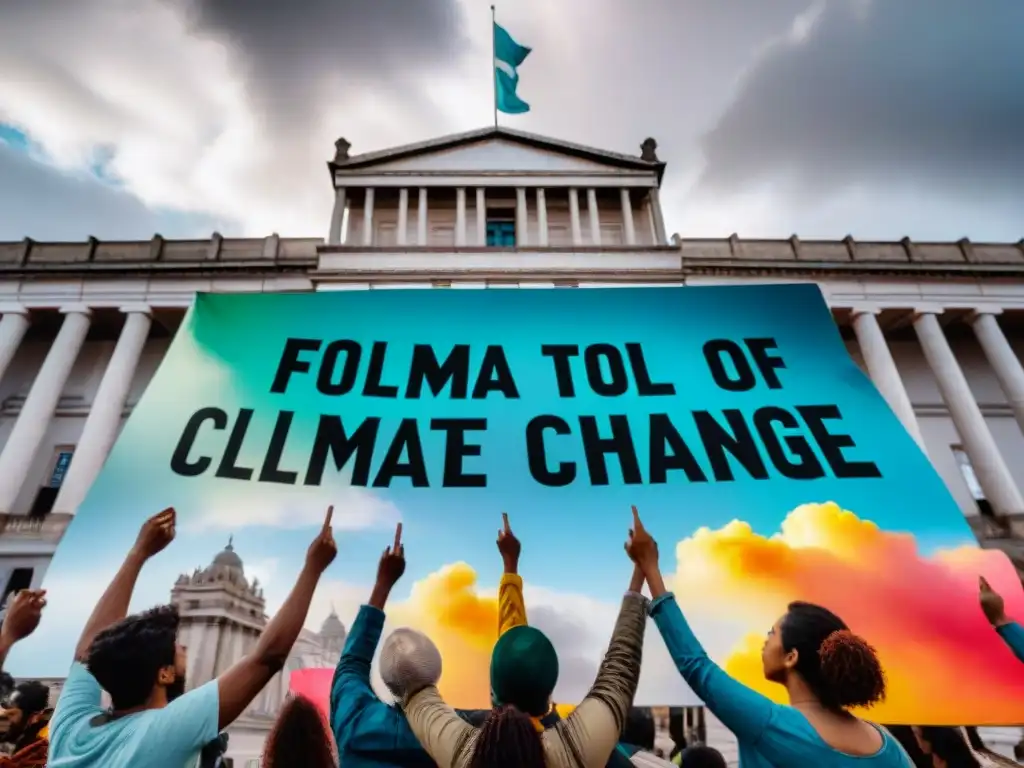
column 232, row 507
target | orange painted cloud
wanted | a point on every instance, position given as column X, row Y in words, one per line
column 945, row 665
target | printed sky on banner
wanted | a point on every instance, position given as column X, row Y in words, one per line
column 757, row 452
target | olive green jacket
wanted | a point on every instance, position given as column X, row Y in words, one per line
column 585, row 739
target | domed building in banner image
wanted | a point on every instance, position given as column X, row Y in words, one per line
column 938, row 327
column 222, row 616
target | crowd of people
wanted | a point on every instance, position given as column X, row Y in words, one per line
column 153, row 719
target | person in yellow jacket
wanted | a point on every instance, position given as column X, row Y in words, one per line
column 512, row 614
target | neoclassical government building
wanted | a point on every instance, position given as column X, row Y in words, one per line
column 938, row 326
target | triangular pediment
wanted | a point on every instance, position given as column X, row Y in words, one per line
column 495, row 150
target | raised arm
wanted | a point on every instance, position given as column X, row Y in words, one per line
column 242, row 682
column 24, row 611
column 511, row 606
column 156, row 534
column 361, row 722
column 994, row 608
column 592, row 730
column 743, row 711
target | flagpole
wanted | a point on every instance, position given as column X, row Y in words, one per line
column 494, row 74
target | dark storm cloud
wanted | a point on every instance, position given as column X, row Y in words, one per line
column 41, row 202
column 924, row 93
column 291, row 49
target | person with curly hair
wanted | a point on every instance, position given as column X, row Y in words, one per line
column 825, row 668
column 26, row 713
column 299, row 738
column 138, row 661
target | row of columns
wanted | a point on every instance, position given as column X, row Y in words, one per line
column 989, row 466
column 480, row 233
column 38, row 410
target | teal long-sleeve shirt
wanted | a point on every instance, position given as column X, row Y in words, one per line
column 368, row 732
column 770, row 735
column 1013, row 636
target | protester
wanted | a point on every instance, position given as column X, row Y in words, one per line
column 995, row 611
column 368, row 732
column 532, row 693
column 825, row 668
column 508, row 737
column 27, row 710
column 26, row 715
column 637, row 740
column 213, row 753
column 299, row 738
column 540, row 685
column 947, row 747
column 138, row 662
column 700, row 756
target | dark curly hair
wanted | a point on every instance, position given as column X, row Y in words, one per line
column 126, row 658
column 31, row 697
column 950, row 745
column 508, row 739
column 299, row 738
column 839, row 667
column 639, row 729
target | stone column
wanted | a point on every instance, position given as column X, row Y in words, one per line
column 574, row 217
column 1002, row 359
column 460, row 216
column 660, row 237
column 627, row 217
column 402, row 235
column 542, row 218
column 104, row 420
column 421, row 218
column 337, row 217
column 522, row 222
column 595, row 217
column 12, row 330
column 37, row 412
column 368, row 217
column 883, row 371
column 481, row 216
column 988, row 463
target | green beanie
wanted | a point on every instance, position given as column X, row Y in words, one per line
column 524, row 670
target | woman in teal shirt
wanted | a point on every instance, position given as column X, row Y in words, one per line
column 825, row 668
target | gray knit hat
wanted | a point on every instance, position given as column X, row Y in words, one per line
column 409, row 662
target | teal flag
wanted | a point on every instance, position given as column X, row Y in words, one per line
column 508, row 55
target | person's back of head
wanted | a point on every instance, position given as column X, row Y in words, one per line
column 409, row 662
column 508, row 739
column 950, row 747
column 639, row 729
column 524, row 670
column 701, row 757
column 299, row 738
column 137, row 655
column 840, row 668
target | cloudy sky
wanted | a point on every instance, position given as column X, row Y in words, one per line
column 119, row 118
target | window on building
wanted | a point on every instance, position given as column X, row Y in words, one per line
column 387, row 235
column 611, row 234
column 46, row 496
column 21, row 578
column 963, row 463
column 501, row 232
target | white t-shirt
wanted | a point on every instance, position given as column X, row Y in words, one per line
column 171, row 737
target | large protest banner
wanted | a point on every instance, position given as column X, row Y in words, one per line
column 762, row 459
